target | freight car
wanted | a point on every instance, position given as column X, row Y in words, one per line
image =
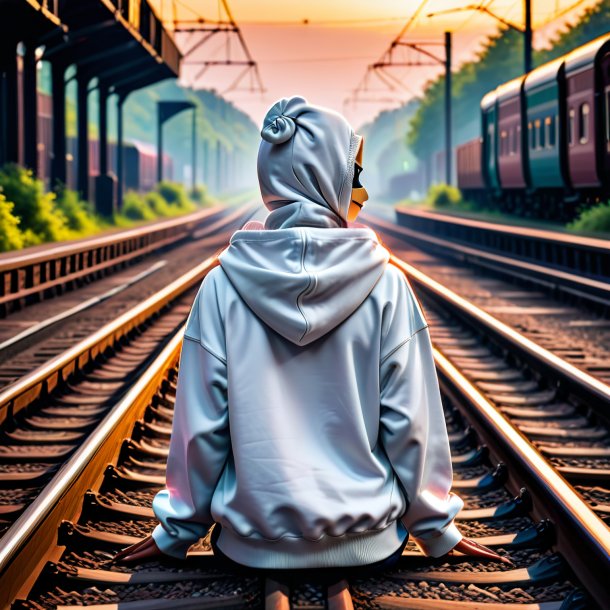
column 544, row 149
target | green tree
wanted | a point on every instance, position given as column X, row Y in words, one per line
column 500, row 60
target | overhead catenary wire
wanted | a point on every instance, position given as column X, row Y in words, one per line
column 362, row 86
column 481, row 6
column 208, row 28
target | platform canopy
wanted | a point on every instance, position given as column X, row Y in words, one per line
column 121, row 41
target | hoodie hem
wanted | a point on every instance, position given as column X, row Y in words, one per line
column 352, row 549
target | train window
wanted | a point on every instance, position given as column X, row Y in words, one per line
column 530, row 130
column 518, row 139
column 549, row 129
column 503, row 142
column 542, row 134
column 583, row 123
column 537, row 134
column 571, row 127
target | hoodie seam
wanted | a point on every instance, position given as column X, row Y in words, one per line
column 309, row 283
column 206, row 348
column 384, row 358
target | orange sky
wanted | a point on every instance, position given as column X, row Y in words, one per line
column 327, row 58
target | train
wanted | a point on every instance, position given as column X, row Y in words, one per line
column 544, row 149
column 140, row 158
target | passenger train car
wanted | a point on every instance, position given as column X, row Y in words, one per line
column 544, row 149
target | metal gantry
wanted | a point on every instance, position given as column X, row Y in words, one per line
column 203, row 30
column 389, row 59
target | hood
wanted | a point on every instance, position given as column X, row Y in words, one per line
column 306, row 165
column 303, row 282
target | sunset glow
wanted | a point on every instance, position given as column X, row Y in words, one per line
column 321, row 50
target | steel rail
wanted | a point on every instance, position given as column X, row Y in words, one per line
column 24, row 548
column 586, row 387
column 35, row 529
column 581, row 536
column 585, row 541
column 10, row 260
column 551, row 277
column 58, row 369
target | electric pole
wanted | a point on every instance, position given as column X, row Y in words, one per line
column 527, row 36
column 448, row 149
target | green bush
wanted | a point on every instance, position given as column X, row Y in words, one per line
column 33, row 206
column 79, row 214
column 11, row 237
column 29, row 216
column 175, row 195
column 199, row 195
column 592, row 220
column 135, row 208
column 158, row 205
column 444, row 195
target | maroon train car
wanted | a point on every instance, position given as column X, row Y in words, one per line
column 564, row 162
column 587, row 73
column 510, row 152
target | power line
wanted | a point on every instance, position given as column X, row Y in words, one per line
column 313, row 59
column 363, row 85
column 312, row 22
column 305, row 21
column 207, row 29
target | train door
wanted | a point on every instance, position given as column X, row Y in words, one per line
column 605, row 113
column 586, row 82
column 490, row 147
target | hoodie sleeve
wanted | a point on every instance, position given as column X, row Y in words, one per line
column 413, row 430
column 200, row 441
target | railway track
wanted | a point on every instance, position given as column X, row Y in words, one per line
column 47, row 271
column 560, row 409
column 31, row 336
column 47, row 413
column 56, row 554
column 563, row 410
column 574, row 267
column 575, row 332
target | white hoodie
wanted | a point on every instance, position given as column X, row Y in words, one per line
column 308, row 419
